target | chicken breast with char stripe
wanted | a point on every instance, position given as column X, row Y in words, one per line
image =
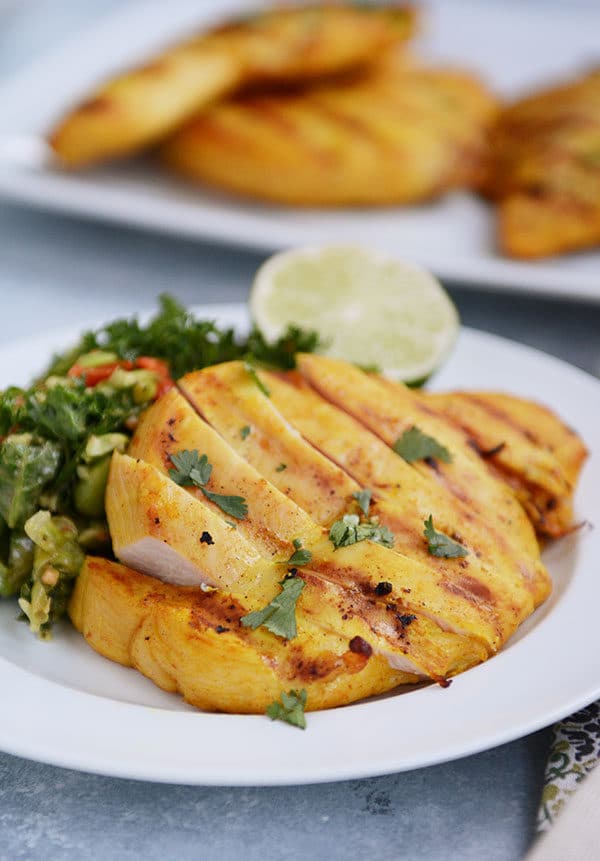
column 369, row 617
column 140, row 107
column 546, row 170
column 394, row 134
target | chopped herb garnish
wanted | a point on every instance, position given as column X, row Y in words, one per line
column 192, row 469
column 235, row 506
column 363, row 497
column 349, row 530
column 244, row 431
column 254, row 374
column 281, row 467
column 300, row 556
column 186, row 343
column 439, row 544
column 290, row 709
column 415, row 445
column 279, row 616
column 57, row 436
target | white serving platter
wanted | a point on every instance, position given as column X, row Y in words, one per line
column 514, row 46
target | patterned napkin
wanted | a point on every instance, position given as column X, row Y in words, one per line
column 575, row 752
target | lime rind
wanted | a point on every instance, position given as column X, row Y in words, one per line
column 369, row 307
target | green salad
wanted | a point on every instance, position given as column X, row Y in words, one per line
column 57, row 438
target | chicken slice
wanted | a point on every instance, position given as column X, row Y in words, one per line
column 359, row 568
column 272, row 523
column 389, row 409
column 157, row 528
column 452, row 593
column 228, row 397
column 525, row 444
column 189, row 641
column 404, row 498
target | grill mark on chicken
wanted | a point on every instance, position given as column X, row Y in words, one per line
column 376, row 616
column 334, row 114
column 544, row 493
column 503, row 418
column 97, row 105
column 409, row 537
column 470, row 589
column 361, row 600
column 454, row 481
column 359, row 576
column 222, row 613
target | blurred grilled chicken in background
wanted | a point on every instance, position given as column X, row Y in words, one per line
column 395, row 133
column 140, row 107
column 546, row 172
column 321, row 105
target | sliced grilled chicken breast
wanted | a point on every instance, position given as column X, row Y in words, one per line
column 167, row 543
column 297, row 448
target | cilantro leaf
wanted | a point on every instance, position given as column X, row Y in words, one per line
column 349, row 530
column 363, row 497
column 190, row 468
column 290, row 709
column 341, row 530
column 194, row 469
column 236, row 506
column 439, row 544
column 244, row 431
column 415, row 445
column 279, row 616
column 253, row 373
column 281, row 467
column 300, row 556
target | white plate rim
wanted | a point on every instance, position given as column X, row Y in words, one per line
column 102, row 735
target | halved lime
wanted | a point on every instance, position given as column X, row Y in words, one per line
column 369, row 307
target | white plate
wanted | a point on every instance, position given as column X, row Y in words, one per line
column 64, row 704
column 514, row 47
